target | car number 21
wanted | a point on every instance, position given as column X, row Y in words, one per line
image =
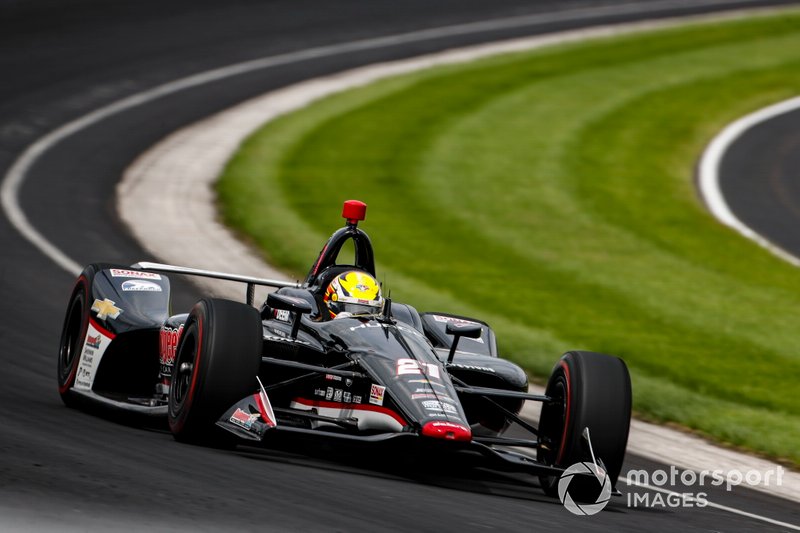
column 410, row 366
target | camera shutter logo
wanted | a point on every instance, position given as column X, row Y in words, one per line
column 586, row 509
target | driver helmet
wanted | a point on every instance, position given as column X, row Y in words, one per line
column 353, row 293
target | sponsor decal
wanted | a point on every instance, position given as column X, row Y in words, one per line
column 105, row 309
column 337, row 396
column 285, row 339
column 94, row 346
column 348, row 382
column 356, row 399
column 435, row 405
column 135, row 285
column 121, row 273
column 412, row 366
column 399, row 327
column 432, row 395
column 93, row 342
column 426, row 382
column 169, row 338
column 331, row 377
column 440, row 397
column 424, row 389
column 329, row 393
column 319, row 392
column 473, row 367
column 243, row 419
column 376, row 394
column 423, row 396
column 346, row 397
column 282, row 315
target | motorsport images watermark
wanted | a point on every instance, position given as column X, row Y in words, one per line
column 682, row 491
column 677, row 479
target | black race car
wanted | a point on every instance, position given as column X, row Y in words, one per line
column 229, row 368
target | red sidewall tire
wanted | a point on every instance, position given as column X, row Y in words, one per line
column 216, row 364
column 73, row 334
column 589, row 390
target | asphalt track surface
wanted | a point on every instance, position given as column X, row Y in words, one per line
column 65, row 470
column 759, row 180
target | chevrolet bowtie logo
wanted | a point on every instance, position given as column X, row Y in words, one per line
column 105, row 308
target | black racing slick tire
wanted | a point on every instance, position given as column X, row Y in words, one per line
column 216, row 364
column 587, row 390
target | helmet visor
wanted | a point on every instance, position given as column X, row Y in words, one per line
column 357, row 307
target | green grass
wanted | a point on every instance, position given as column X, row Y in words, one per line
column 551, row 193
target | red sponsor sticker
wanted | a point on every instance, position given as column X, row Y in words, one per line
column 93, row 342
column 376, row 394
column 168, row 346
column 243, row 419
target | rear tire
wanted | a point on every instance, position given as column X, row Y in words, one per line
column 587, row 390
column 216, row 364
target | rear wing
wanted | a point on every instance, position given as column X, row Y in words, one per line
column 249, row 280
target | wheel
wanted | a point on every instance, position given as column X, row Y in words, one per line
column 216, row 365
column 73, row 333
column 587, row 390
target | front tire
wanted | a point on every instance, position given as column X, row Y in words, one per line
column 587, row 390
column 216, row 364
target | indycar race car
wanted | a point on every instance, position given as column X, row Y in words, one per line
column 331, row 358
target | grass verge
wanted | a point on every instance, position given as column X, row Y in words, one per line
column 551, row 193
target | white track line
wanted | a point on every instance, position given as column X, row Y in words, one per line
column 708, row 178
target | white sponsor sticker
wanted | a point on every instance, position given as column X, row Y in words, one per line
column 135, row 285
column 93, row 348
column 120, row 273
column 435, row 405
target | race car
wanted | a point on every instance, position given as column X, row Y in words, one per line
column 331, row 358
